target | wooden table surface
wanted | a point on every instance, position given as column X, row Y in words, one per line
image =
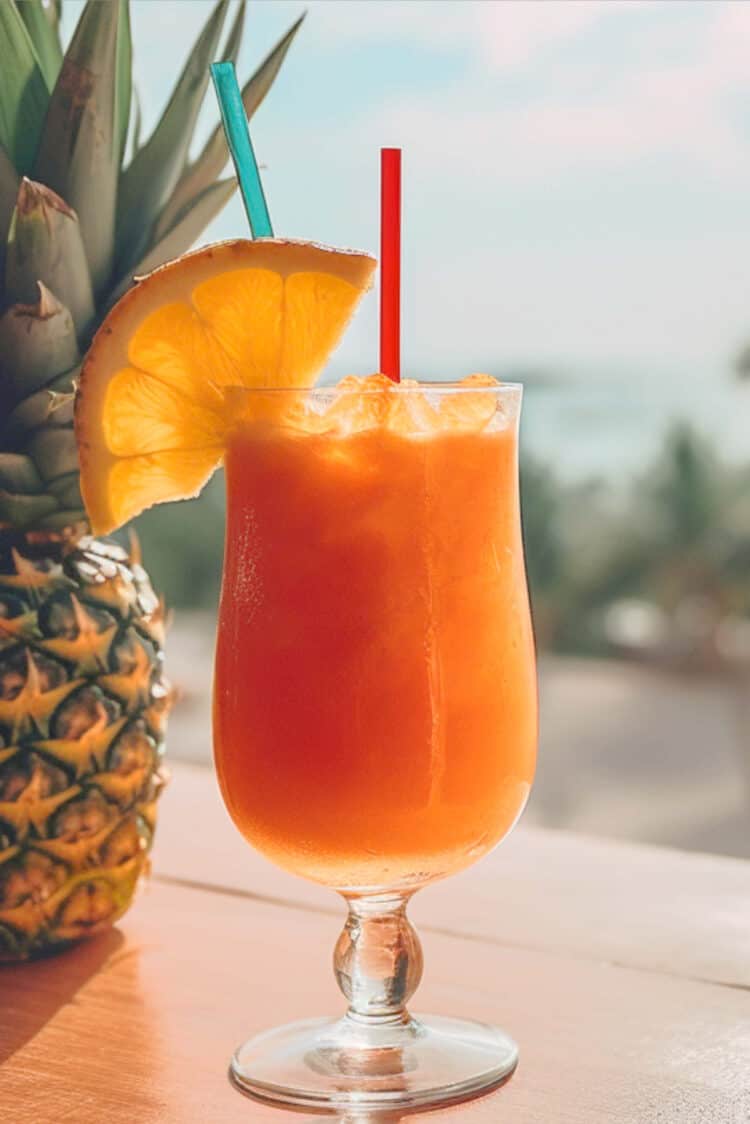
column 622, row 971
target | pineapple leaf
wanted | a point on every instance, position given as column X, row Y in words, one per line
column 37, row 343
column 53, row 11
column 40, row 409
column 44, row 37
column 45, row 244
column 152, row 175
column 137, row 122
column 8, row 193
column 23, row 90
column 66, row 490
column 188, row 225
column 25, row 511
column 124, row 74
column 18, row 474
column 79, row 152
column 234, row 38
column 59, row 520
column 256, row 88
column 54, row 452
column 204, row 170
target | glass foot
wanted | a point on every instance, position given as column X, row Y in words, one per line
column 344, row 1064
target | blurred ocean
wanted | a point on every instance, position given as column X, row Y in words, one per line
column 613, row 427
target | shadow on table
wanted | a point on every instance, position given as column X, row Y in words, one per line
column 33, row 991
column 382, row 1116
column 406, row 1116
column 370, row 1118
column 362, row 1116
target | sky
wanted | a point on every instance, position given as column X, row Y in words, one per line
column 576, row 174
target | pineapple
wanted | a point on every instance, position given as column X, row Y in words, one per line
column 84, row 206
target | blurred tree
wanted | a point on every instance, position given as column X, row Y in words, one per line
column 541, row 505
column 682, row 545
column 742, row 363
column 687, row 495
column 685, row 489
column 184, row 546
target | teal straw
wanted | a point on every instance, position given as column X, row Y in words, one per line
column 241, row 148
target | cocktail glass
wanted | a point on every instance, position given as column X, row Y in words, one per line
column 375, row 701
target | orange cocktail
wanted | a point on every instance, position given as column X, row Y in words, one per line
column 375, row 702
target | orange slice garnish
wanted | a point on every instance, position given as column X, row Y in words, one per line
column 158, row 388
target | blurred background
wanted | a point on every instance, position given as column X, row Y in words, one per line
column 577, row 217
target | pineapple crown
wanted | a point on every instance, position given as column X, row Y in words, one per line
column 84, row 207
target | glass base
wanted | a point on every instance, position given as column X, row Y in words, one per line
column 348, row 1064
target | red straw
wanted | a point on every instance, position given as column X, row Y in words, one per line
column 390, row 263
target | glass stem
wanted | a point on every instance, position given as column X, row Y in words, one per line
column 378, row 959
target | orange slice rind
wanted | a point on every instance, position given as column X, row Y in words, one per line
column 158, row 391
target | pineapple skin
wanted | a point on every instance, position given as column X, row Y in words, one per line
column 83, row 709
column 83, row 700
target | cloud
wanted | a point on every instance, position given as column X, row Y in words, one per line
column 502, row 34
column 430, row 24
column 512, row 34
column 674, row 104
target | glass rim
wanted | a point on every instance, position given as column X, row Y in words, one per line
column 511, row 389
